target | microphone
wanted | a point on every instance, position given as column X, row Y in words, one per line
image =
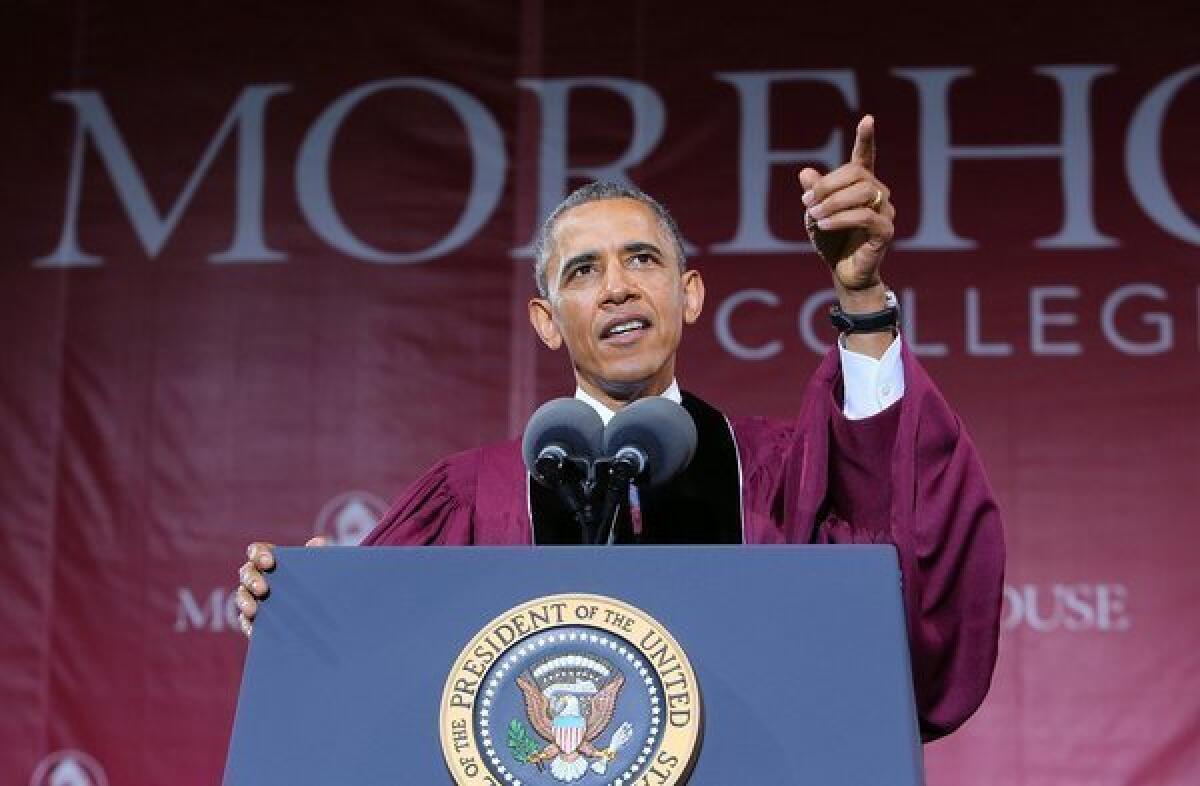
column 561, row 442
column 652, row 439
column 561, row 433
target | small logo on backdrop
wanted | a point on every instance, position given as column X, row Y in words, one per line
column 349, row 517
column 68, row 768
column 571, row 689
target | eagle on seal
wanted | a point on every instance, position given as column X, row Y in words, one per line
column 570, row 724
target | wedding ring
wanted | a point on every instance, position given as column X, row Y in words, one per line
column 876, row 200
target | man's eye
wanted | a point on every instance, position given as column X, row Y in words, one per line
column 581, row 270
column 641, row 260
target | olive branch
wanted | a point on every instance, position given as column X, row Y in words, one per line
column 521, row 742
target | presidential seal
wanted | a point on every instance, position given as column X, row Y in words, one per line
column 571, row 689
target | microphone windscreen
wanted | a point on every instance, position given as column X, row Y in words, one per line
column 661, row 429
column 566, row 422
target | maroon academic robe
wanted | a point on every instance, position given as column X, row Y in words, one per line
column 908, row 476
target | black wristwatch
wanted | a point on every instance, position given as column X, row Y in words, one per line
column 874, row 322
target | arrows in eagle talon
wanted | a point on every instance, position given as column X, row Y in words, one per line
column 619, row 738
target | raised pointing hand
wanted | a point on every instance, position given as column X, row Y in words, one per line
column 849, row 215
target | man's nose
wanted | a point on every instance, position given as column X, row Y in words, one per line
column 617, row 286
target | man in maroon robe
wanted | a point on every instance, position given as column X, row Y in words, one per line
column 861, row 463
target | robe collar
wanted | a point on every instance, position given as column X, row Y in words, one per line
column 606, row 414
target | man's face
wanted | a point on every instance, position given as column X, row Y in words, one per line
column 616, row 298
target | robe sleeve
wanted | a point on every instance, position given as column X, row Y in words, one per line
column 438, row 509
column 910, row 476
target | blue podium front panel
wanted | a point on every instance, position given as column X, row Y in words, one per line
column 799, row 654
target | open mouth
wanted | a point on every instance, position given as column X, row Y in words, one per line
column 625, row 329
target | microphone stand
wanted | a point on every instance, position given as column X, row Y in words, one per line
column 627, row 464
column 559, row 472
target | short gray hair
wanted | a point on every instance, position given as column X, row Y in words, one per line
column 595, row 192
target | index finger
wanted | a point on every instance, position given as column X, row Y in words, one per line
column 261, row 555
column 864, row 144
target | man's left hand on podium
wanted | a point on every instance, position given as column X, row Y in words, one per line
column 252, row 586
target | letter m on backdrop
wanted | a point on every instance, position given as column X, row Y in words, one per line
column 94, row 124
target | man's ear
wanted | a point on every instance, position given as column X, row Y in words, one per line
column 542, row 319
column 693, row 296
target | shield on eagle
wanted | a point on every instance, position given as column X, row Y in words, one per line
column 569, row 724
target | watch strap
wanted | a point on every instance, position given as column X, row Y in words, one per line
column 887, row 318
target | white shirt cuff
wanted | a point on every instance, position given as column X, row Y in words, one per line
column 870, row 386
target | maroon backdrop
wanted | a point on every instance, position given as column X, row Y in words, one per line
column 264, row 264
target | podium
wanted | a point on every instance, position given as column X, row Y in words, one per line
column 503, row 665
